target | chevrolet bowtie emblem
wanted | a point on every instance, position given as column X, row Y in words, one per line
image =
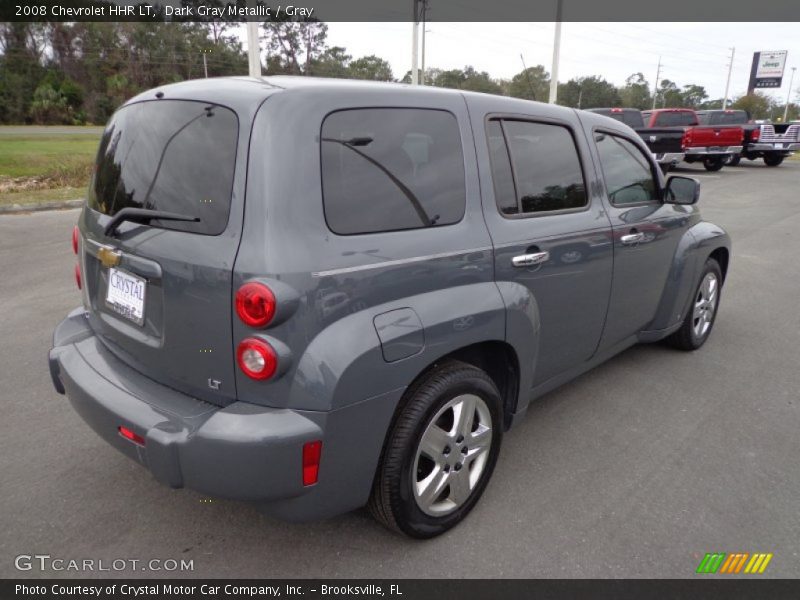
column 108, row 257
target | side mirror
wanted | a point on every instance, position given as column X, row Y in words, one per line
column 682, row 190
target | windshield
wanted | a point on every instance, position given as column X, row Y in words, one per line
column 170, row 155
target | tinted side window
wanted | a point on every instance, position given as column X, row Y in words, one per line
column 546, row 167
column 387, row 169
column 504, row 193
column 627, row 172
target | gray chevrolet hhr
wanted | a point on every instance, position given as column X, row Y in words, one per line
column 317, row 295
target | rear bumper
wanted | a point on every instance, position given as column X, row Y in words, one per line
column 774, row 147
column 242, row 451
column 712, row 150
column 669, row 158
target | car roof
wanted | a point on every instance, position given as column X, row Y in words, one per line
column 246, row 92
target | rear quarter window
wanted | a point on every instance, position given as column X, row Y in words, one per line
column 390, row 169
column 171, row 155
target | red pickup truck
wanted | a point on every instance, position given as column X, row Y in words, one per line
column 712, row 146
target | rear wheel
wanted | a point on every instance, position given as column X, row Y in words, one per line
column 733, row 160
column 440, row 452
column 773, row 160
column 696, row 327
column 713, row 163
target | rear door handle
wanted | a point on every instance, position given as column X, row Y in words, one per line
column 530, row 260
column 631, row 238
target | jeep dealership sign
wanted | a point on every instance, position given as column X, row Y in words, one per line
column 767, row 71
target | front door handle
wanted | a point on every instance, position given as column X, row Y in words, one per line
column 631, row 238
column 530, row 260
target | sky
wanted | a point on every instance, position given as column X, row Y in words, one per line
column 695, row 53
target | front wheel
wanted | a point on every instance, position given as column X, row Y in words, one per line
column 773, row 160
column 696, row 327
column 440, row 452
column 713, row 163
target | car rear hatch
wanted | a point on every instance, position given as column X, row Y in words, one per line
column 158, row 291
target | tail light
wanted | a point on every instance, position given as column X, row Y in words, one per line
column 255, row 304
column 78, row 280
column 256, row 358
column 756, row 134
column 687, row 138
column 130, row 435
column 312, row 453
column 75, row 235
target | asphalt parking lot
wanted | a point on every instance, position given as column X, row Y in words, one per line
column 636, row 469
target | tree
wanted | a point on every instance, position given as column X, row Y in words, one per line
column 693, row 96
column 466, row 79
column 711, row 104
column 370, row 67
column 532, row 83
column 757, row 104
column 333, row 62
column 669, row 95
column 636, row 92
column 588, row 92
column 294, row 45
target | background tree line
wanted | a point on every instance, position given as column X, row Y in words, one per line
column 75, row 73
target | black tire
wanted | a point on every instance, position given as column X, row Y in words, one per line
column 773, row 160
column 392, row 501
column 687, row 337
column 733, row 160
column 713, row 163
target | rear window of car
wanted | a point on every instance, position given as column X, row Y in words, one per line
column 631, row 118
column 391, row 169
column 170, row 155
column 671, row 119
column 736, row 117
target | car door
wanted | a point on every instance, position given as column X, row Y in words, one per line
column 646, row 232
column 549, row 232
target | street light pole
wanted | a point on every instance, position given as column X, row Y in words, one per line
column 556, row 53
column 789, row 95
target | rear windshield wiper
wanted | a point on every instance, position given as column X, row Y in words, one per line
column 143, row 215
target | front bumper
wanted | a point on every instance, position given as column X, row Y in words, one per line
column 242, row 451
column 712, row 150
column 669, row 158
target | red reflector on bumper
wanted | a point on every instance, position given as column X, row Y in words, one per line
column 129, row 435
column 312, row 452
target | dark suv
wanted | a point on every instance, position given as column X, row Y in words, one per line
column 316, row 294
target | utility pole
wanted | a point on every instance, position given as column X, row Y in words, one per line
column 205, row 64
column 728, row 83
column 556, row 52
column 415, row 46
column 422, row 61
column 253, row 46
column 655, row 85
column 789, row 95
